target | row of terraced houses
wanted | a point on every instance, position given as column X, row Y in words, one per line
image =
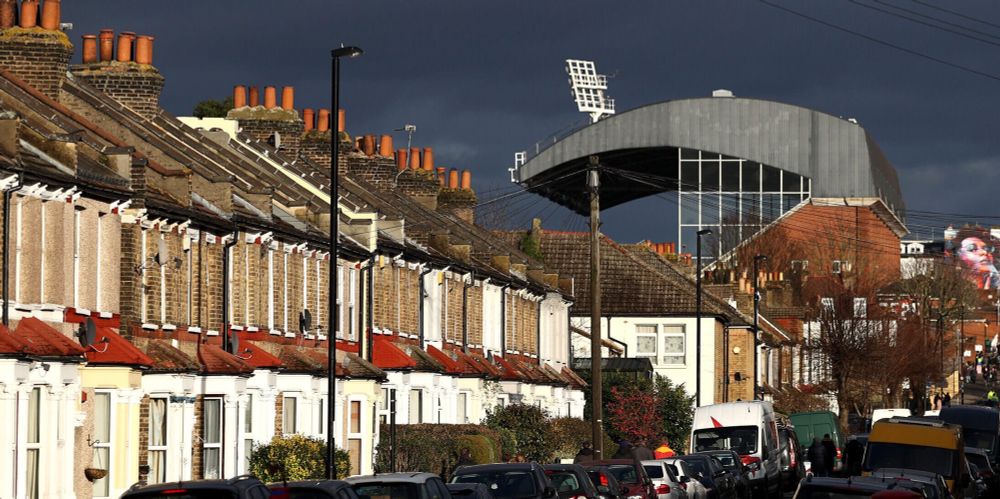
column 167, row 233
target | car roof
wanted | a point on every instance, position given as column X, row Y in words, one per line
column 903, row 473
column 853, row 483
column 239, row 482
column 477, row 468
column 615, row 461
column 313, row 484
column 563, row 467
column 416, row 477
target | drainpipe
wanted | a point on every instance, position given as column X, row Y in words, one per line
column 7, row 194
column 624, row 346
column 423, row 313
column 538, row 332
column 225, row 291
column 465, row 311
column 370, row 305
column 503, row 320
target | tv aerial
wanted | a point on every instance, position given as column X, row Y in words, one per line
column 589, row 89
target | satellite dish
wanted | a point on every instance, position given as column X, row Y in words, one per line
column 234, row 343
column 88, row 332
column 305, row 320
column 161, row 252
column 276, row 140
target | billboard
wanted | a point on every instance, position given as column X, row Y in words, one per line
column 975, row 248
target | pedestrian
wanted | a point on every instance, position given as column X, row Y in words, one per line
column 640, row 452
column 937, row 402
column 829, row 453
column 585, row 455
column 815, row 455
column 663, row 451
column 947, row 400
column 853, row 454
column 624, row 450
column 465, row 458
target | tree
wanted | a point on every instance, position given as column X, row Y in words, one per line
column 635, row 413
column 213, row 108
column 527, row 427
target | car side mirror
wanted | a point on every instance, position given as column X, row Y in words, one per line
column 685, row 479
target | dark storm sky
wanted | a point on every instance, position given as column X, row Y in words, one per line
column 483, row 79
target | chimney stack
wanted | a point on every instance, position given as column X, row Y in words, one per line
column 309, row 119
column 51, row 11
column 278, row 125
column 116, row 75
column 385, row 146
column 288, row 98
column 89, row 49
column 125, row 40
column 458, row 199
column 8, row 13
column 239, row 96
column 40, row 53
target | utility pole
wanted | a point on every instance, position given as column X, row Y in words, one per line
column 596, row 384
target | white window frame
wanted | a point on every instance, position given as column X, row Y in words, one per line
column 860, row 307
column 189, row 284
column 385, row 405
column 340, row 300
column 41, row 254
column 248, row 440
column 319, row 319
column 668, row 332
column 270, row 288
column 353, row 289
column 213, row 445
column 142, row 276
column 162, row 449
column 33, row 491
column 284, row 294
column 827, row 303
column 163, row 284
column 305, row 282
column 99, row 250
column 17, row 250
column 419, row 409
column 654, row 355
column 462, row 408
column 106, row 445
column 836, row 266
column 294, row 398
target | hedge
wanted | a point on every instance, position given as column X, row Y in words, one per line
column 435, row 447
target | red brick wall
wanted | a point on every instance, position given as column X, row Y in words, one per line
column 39, row 58
column 137, row 87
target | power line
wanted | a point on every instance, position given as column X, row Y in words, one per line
column 955, row 13
column 928, row 24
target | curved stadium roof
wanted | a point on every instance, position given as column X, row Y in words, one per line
column 838, row 155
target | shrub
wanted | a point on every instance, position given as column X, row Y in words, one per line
column 569, row 433
column 529, row 427
column 435, row 447
column 294, row 457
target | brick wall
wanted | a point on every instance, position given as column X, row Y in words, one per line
column 475, row 305
column 278, row 293
column 315, row 146
column 290, row 132
column 199, row 430
column 279, row 412
column 143, row 435
column 130, row 289
column 197, row 284
column 738, row 363
column 531, row 328
column 37, row 56
column 151, row 276
column 459, row 203
column 212, row 285
column 136, row 86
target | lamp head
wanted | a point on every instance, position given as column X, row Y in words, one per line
column 704, row 232
column 349, row 51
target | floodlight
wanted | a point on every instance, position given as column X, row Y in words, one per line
column 588, row 89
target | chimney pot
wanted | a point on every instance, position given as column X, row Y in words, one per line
column 107, row 42
column 29, row 13
column 125, row 40
column 270, row 97
column 323, row 121
column 239, row 94
column 428, row 160
column 50, row 14
column 308, row 116
column 453, row 179
column 341, row 120
column 441, row 175
column 144, row 49
column 415, row 158
column 369, row 145
column 401, row 159
column 385, row 146
column 254, row 96
column 89, row 48
column 288, row 98
column 466, row 180
column 8, row 13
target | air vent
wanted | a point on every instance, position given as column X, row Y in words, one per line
column 722, row 93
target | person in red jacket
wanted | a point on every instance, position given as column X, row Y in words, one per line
column 664, row 451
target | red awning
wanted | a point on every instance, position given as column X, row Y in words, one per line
column 389, row 356
column 509, row 372
column 215, row 360
column 43, row 340
column 110, row 348
column 451, row 366
column 257, row 356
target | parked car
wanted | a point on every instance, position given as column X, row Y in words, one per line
column 750, row 429
column 469, row 491
column 731, row 461
column 683, row 470
column 571, row 481
column 400, row 486
column 985, row 469
column 508, row 480
column 668, row 486
column 240, row 487
column 980, row 427
column 313, row 489
column 814, row 487
column 720, row 483
column 606, row 483
column 632, row 476
column 792, row 467
column 933, row 485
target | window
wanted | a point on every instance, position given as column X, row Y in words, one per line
column 354, row 435
column 320, row 404
column 34, row 441
column 416, row 407
column 673, row 346
column 860, row 307
column 827, row 303
column 288, row 411
column 211, row 440
column 800, row 265
column 350, row 303
column 76, row 258
column 247, row 431
column 270, row 288
column 157, row 440
column 385, row 405
column 102, row 441
column 460, row 410
column 836, row 266
column 645, row 342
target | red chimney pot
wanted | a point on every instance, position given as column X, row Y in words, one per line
column 401, row 159
column 415, row 158
column 239, row 96
column 385, row 146
column 466, row 180
column 323, row 122
column 341, row 120
column 254, row 96
column 288, row 98
column 428, row 160
column 453, row 179
column 8, row 13
column 368, row 146
column 270, row 97
column 125, row 40
column 89, row 48
column 309, row 118
column 29, row 13
column 144, row 49
column 107, row 42
column 50, row 14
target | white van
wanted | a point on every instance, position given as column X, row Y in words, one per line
column 750, row 429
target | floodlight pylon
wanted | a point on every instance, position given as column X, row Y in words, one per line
column 589, row 89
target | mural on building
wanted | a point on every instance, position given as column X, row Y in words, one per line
column 975, row 248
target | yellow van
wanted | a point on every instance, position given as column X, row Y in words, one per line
column 924, row 445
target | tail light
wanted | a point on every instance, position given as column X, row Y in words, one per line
column 603, row 479
column 839, row 456
column 684, row 486
column 751, row 462
column 663, row 489
column 792, row 460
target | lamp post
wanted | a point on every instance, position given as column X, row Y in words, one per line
column 697, row 326
column 756, row 312
column 333, row 313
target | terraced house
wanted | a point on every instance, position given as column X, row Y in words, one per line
column 194, row 256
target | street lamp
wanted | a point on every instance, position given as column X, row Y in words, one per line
column 697, row 389
column 333, row 313
column 756, row 312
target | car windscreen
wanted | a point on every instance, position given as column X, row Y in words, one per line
column 978, row 459
column 698, row 466
column 821, row 492
column 565, row 482
column 980, row 439
column 200, row 493
column 624, row 473
column 397, row 490
column 914, row 457
column 728, row 460
column 654, row 471
column 742, row 439
column 503, row 484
